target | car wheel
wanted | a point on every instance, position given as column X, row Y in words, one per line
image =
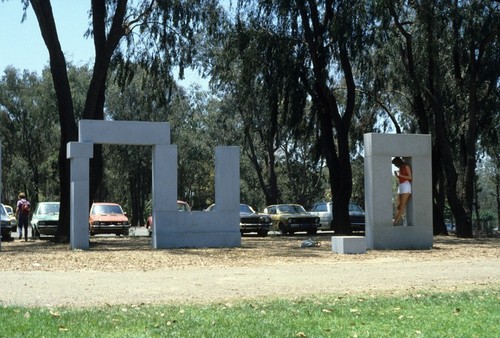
column 312, row 232
column 36, row 234
column 262, row 233
column 283, row 229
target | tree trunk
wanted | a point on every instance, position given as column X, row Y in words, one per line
column 339, row 165
column 438, row 192
column 462, row 217
column 497, row 187
column 269, row 187
column 104, row 48
column 45, row 17
column 342, row 188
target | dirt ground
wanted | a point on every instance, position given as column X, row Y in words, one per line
column 126, row 270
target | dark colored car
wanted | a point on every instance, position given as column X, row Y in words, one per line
column 108, row 218
column 357, row 215
column 251, row 221
column 45, row 219
column 291, row 218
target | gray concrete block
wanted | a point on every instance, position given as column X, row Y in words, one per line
column 349, row 244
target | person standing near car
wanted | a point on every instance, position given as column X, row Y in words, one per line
column 23, row 212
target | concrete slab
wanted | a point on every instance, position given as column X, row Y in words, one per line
column 349, row 244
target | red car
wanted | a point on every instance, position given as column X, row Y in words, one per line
column 181, row 206
column 108, row 218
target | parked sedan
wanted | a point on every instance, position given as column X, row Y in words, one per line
column 108, row 218
column 13, row 220
column 45, row 219
column 291, row 218
column 357, row 215
column 5, row 223
column 181, row 206
column 324, row 210
column 251, row 221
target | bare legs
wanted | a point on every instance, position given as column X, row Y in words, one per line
column 401, row 206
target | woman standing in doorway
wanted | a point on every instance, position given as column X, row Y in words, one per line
column 404, row 191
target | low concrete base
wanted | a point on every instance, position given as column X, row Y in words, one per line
column 176, row 240
column 349, row 244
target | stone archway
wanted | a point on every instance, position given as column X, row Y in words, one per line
column 171, row 228
column 379, row 150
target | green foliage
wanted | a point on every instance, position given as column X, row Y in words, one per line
column 461, row 314
column 411, row 63
column 31, row 136
column 435, row 70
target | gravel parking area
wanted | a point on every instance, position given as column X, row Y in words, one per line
column 126, row 270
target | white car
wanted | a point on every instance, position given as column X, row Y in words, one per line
column 7, row 225
column 45, row 219
column 324, row 210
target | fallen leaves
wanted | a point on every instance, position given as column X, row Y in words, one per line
column 47, row 256
column 54, row 313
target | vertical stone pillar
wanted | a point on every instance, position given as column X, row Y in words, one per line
column 79, row 155
column 164, row 193
column 227, row 195
column 227, row 178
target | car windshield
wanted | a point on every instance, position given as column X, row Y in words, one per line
column 290, row 209
column 355, row 207
column 2, row 211
column 182, row 207
column 106, row 209
column 9, row 210
column 244, row 208
column 45, row 209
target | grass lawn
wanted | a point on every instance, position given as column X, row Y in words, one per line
column 458, row 314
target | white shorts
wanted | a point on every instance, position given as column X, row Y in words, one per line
column 404, row 188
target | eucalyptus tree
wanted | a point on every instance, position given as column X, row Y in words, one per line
column 300, row 172
column 490, row 156
column 157, row 34
column 32, row 129
column 322, row 39
column 445, row 61
column 127, row 169
column 198, row 126
column 249, row 67
column 8, row 193
column 26, row 100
